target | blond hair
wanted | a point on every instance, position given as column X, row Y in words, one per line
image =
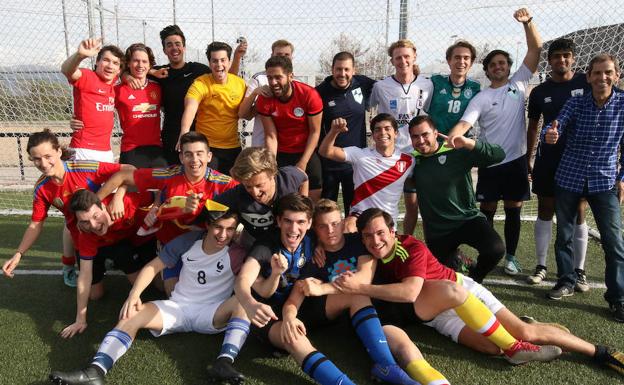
column 403, row 43
column 324, row 206
column 282, row 43
column 252, row 161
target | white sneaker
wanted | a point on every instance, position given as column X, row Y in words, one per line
column 512, row 266
column 538, row 276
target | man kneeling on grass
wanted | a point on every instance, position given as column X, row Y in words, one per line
column 411, row 285
column 201, row 302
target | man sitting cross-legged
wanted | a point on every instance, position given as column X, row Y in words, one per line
column 455, row 305
column 341, row 253
column 266, row 281
column 201, row 302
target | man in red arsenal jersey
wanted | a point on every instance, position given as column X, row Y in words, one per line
column 292, row 121
column 193, row 179
column 94, row 98
column 103, row 237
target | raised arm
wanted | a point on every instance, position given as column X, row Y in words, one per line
column 87, row 48
column 533, row 38
column 239, row 52
column 328, row 149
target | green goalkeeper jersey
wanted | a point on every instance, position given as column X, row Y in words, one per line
column 448, row 102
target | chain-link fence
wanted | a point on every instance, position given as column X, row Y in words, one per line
column 39, row 34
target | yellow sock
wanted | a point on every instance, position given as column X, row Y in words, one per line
column 421, row 371
column 480, row 319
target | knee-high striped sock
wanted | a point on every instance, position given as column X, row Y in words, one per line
column 323, row 371
column 479, row 318
column 235, row 335
column 68, row 261
column 421, row 371
column 367, row 326
column 114, row 345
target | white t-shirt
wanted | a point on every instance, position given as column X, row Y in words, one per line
column 404, row 102
column 378, row 180
column 257, row 135
column 204, row 278
column 501, row 114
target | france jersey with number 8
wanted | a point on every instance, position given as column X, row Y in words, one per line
column 204, row 278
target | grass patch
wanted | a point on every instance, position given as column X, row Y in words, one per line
column 34, row 309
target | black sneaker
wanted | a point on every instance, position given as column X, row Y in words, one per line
column 610, row 357
column 560, row 291
column 618, row 311
column 223, row 371
column 91, row 375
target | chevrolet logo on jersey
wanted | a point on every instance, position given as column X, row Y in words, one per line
column 144, row 107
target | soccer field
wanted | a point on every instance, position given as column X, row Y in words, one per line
column 35, row 308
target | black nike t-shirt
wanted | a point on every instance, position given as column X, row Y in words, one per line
column 174, row 89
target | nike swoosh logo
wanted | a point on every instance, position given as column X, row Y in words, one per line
column 187, row 75
column 190, row 260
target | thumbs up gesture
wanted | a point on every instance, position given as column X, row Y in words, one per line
column 552, row 135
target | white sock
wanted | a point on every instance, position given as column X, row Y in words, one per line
column 114, row 345
column 543, row 235
column 580, row 238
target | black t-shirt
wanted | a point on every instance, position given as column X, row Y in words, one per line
column 263, row 250
column 174, row 88
column 548, row 98
column 337, row 262
column 257, row 218
column 350, row 104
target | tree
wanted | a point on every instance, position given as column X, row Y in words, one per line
column 372, row 61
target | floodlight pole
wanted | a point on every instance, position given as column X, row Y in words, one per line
column 403, row 19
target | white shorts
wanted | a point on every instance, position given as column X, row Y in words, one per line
column 448, row 322
column 184, row 317
column 87, row 154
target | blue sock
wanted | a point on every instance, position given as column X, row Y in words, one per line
column 114, row 345
column 323, row 371
column 235, row 335
column 367, row 326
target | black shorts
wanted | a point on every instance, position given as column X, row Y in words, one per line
column 396, row 313
column 313, row 168
column 125, row 256
column 508, row 181
column 544, row 170
column 144, row 157
column 223, row 159
column 312, row 312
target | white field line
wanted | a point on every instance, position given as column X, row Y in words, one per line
column 488, row 281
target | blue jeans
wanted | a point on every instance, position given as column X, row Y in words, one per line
column 606, row 209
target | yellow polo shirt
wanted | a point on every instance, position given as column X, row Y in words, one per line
column 217, row 114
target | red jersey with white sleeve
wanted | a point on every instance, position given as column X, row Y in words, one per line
column 123, row 228
column 172, row 182
column 291, row 117
column 94, row 105
column 79, row 174
column 411, row 258
column 139, row 115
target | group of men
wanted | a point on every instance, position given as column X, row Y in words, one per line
column 297, row 263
